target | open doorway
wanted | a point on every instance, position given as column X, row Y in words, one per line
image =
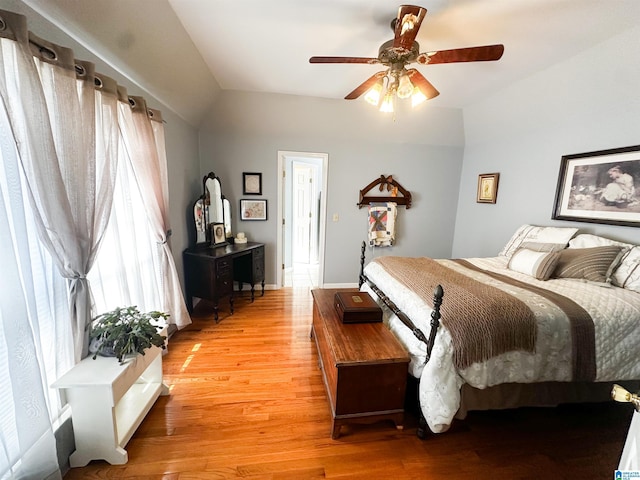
column 301, row 217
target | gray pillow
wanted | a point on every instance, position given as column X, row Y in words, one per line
column 594, row 264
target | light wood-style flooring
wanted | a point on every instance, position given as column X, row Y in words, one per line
column 247, row 402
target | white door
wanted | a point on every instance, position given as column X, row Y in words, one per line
column 302, row 214
column 319, row 165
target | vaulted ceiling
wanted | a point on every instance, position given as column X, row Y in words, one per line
column 182, row 51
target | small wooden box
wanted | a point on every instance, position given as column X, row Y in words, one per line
column 357, row 307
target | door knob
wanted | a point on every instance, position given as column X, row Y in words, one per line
column 620, row 394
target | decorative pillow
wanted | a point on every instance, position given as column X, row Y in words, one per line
column 594, row 264
column 542, row 247
column 586, row 240
column 530, row 233
column 536, row 264
column 627, row 275
column 627, row 272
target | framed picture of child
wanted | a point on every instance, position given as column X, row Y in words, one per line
column 600, row 187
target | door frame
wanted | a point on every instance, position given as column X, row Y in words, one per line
column 285, row 156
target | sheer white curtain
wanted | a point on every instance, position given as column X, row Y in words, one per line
column 135, row 265
column 62, row 132
column 33, row 310
column 55, row 114
column 144, row 141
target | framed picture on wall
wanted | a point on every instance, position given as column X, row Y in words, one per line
column 600, row 187
column 487, row 187
column 253, row 209
column 251, row 183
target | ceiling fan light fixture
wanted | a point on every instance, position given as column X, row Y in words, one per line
column 387, row 105
column 374, row 94
column 382, row 88
column 405, row 87
column 417, row 97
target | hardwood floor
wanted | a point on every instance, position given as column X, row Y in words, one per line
column 247, row 401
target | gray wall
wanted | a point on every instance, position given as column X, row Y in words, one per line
column 422, row 150
column 587, row 103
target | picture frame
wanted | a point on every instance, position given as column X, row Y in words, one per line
column 253, row 209
column 600, row 187
column 488, row 187
column 251, row 183
column 217, row 233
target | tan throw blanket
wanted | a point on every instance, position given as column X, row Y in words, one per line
column 483, row 320
column 583, row 337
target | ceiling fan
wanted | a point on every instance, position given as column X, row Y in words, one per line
column 397, row 79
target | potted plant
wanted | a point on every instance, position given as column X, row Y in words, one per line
column 125, row 331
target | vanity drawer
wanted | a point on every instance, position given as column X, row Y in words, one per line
column 258, row 265
column 224, row 277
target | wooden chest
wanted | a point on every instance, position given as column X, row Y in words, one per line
column 364, row 367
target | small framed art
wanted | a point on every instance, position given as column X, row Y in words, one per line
column 251, row 183
column 253, row 209
column 487, row 187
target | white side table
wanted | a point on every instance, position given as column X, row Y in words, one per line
column 108, row 402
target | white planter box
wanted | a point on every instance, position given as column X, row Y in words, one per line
column 108, row 402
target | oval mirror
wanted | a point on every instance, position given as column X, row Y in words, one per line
column 213, row 191
column 226, row 210
column 217, row 229
column 198, row 215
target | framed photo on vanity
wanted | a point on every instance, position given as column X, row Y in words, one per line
column 218, row 235
column 251, row 183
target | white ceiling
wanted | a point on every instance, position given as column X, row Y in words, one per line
column 264, row 46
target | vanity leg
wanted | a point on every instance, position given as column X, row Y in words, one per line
column 231, row 303
column 262, row 283
column 215, row 311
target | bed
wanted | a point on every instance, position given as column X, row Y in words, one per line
column 554, row 318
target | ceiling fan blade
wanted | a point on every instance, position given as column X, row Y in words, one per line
column 343, row 60
column 366, row 85
column 407, row 24
column 471, row 54
column 422, row 83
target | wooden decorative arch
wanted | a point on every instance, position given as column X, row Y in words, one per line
column 392, row 186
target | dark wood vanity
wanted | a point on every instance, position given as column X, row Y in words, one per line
column 210, row 272
column 216, row 262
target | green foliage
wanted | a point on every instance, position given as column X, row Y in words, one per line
column 125, row 331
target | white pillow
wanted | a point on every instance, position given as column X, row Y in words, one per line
column 627, row 275
column 539, row 265
column 586, row 240
column 531, row 233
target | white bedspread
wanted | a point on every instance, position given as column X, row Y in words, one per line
column 615, row 312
